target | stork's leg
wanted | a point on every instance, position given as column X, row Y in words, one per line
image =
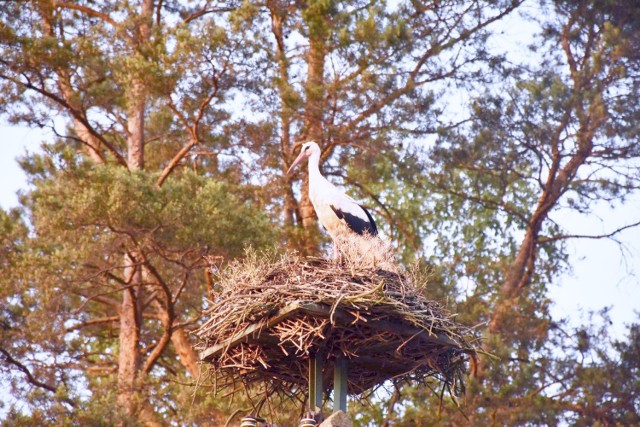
column 337, row 253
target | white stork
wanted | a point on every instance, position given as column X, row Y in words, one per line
column 336, row 211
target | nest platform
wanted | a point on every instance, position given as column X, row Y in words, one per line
column 269, row 316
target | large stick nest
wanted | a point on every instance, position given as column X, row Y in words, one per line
column 269, row 315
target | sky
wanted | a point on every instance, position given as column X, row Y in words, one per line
column 605, row 273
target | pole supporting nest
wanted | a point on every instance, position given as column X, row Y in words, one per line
column 316, row 387
column 316, row 363
column 340, row 384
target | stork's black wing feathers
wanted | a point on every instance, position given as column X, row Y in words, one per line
column 373, row 230
column 357, row 224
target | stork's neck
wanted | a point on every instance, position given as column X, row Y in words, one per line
column 314, row 167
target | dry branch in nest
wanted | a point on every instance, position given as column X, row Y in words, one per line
column 269, row 314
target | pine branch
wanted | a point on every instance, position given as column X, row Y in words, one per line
column 588, row 236
column 87, row 11
column 30, row 378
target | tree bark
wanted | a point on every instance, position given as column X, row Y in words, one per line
column 307, row 212
column 179, row 339
column 131, row 313
column 188, row 356
column 135, row 127
column 315, row 88
column 314, row 110
column 591, row 114
column 129, row 339
column 136, row 99
column 90, row 142
column 278, row 17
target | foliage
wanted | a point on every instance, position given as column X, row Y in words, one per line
column 59, row 317
column 559, row 385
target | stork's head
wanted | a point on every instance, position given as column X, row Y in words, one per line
column 308, row 149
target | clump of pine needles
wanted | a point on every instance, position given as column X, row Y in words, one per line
column 269, row 314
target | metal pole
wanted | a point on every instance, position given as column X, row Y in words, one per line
column 340, row 385
column 316, row 364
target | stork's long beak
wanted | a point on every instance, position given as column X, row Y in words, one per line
column 297, row 161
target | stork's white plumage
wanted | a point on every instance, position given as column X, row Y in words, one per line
column 336, row 211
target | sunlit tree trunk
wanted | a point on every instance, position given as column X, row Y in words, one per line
column 188, row 356
column 278, row 17
column 89, row 141
column 590, row 112
column 129, row 363
column 129, row 338
column 316, row 17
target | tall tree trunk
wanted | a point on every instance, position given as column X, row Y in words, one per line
column 318, row 28
column 130, row 317
column 316, row 18
column 559, row 179
column 89, row 141
column 278, row 18
column 188, row 356
column 129, row 351
column 135, row 127
column 136, row 99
